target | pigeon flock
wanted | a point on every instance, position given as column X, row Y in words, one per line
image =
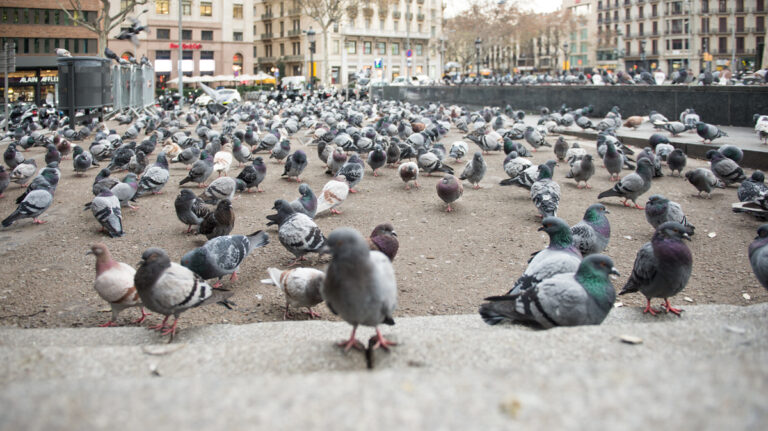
column 226, row 155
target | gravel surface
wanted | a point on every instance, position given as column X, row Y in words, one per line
column 446, row 264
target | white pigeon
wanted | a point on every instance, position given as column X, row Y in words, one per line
column 114, row 284
column 333, row 195
column 61, row 52
column 301, row 287
column 222, row 160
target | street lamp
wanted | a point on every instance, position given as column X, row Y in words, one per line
column 478, row 42
column 274, row 73
column 566, row 66
column 311, row 38
column 642, row 54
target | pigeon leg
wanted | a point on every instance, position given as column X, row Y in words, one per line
column 296, row 261
column 476, row 187
column 335, row 211
column 669, row 308
column 649, row 309
column 202, row 185
column 375, row 174
column 312, row 314
column 638, row 206
column 287, row 313
column 160, row 326
column 407, row 187
column 382, row 342
column 298, row 180
column 2, row 195
column 171, row 330
column 352, row 342
column 579, row 186
column 586, row 184
column 35, row 220
column 233, row 277
column 416, row 183
column 108, row 324
column 144, row 315
column 448, row 208
column 133, row 207
column 625, row 202
column 258, row 189
column 353, row 191
column 218, row 284
column 189, row 229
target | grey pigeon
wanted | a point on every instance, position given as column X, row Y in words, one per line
column 154, row 177
column 12, row 157
column 677, row 161
column 570, row 299
column 751, row 188
column 138, row 163
column 659, row 210
column 360, row 285
column 125, row 191
column 190, row 209
column 189, row 156
column 35, row 204
column 106, row 209
column 545, row 193
column 560, row 256
column 582, row 170
column 704, row 180
column 23, row 172
column 633, row 185
column 675, row 127
column 758, row 255
column 301, row 287
column 529, row 175
column 252, row 175
column 201, row 170
column 708, row 132
column 240, row 152
column 613, row 161
column 168, row 288
column 52, row 155
column 281, row 151
column 219, row 222
column 223, row 255
column 725, row 169
column 295, row 164
column 377, row 158
column 662, row 266
column 592, row 234
column 296, row 231
column 221, row 188
column 655, row 160
column 732, row 152
column 474, row 170
column 103, row 181
column 458, row 150
column 354, row 171
column 449, row 189
column 429, row 162
column 5, row 180
column 561, row 148
column 337, row 159
column 307, row 202
column 514, row 165
column 534, row 138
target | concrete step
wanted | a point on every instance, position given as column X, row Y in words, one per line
column 703, row 370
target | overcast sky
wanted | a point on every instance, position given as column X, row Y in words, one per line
column 455, row 6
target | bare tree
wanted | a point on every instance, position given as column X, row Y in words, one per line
column 104, row 22
column 326, row 13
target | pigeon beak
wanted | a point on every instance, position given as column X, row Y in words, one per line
column 394, row 233
column 686, row 236
column 615, row 272
column 540, row 228
column 325, row 249
column 91, row 251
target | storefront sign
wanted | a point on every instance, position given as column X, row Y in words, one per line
column 33, row 80
column 186, row 45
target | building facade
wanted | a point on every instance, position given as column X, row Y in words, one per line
column 38, row 28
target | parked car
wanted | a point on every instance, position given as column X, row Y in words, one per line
column 224, row 95
column 400, row 81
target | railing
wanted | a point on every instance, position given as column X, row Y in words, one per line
column 266, row 36
column 293, row 58
column 724, row 30
column 267, row 15
column 294, row 11
column 396, row 14
column 294, row 33
column 267, row 59
column 420, row 17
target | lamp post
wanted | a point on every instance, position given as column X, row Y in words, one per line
column 441, row 71
column 311, row 38
column 619, row 52
column 566, row 64
column 642, row 54
column 478, row 42
column 274, row 73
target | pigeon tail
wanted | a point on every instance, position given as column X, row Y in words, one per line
column 500, row 309
column 258, row 239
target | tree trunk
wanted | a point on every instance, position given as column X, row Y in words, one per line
column 102, row 43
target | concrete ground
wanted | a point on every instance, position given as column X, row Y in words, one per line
column 705, row 370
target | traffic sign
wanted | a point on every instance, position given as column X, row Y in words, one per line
column 409, row 53
column 377, row 63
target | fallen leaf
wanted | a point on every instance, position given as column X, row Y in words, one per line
column 712, row 234
column 631, row 339
column 687, row 299
column 511, row 408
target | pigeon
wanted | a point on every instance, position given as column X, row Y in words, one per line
column 34, row 205
column 47, row 178
column 458, row 150
column 376, row 159
column 252, row 175
column 449, row 189
column 677, row 161
column 296, row 231
column 337, row 159
column 583, row 297
column 704, row 180
column 221, row 188
column 5, row 180
column 301, row 287
column 409, row 171
column 708, row 132
column 223, row 255
column 295, row 164
column 106, row 209
column 663, row 150
column 561, row 148
column 384, row 239
column 582, row 170
column 61, row 52
column 12, row 157
column 634, row 121
column 222, row 160
column 168, row 288
column 474, row 170
column 103, row 181
column 613, row 161
column 545, row 193
column 201, row 170
column 280, row 152
column 732, row 152
column 354, row 171
column 534, row 138
column 188, row 156
column 154, row 177
column 429, row 162
column 592, row 234
column 307, row 202
column 758, row 255
column 125, row 191
column 761, row 127
column 393, row 154
column 23, row 172
column 659, row 210
column 240, row 152
column 81, row 161
column 633, row 185
column 360, row 286
column 219, row 222
column 138, row 163
column 52, row 155
column 725, row 169
column 753, row 187
column 662, row 266
column 334, row 194
column 114, row 284
column 674, row 127
column 514, row 165
column 190, row 209
column 560, row 256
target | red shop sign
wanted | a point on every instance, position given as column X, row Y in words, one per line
column 186, row 45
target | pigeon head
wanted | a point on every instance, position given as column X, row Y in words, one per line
column 132, row 178
column 762, row 232
column 478, row 157
column 558, row 230
column 77, row 151
column 299, row 156
column 671, row 230
column 186, row 195
column 385, row 228
column 544, row 172
column 758, row 176
column 258, row 161
column 305, row 190
column 644, row 167
column 104, row 259
column 346, row 243
column 595, row 212
column 240, row 185
column 224, row 205
column 162, row 160
column 593, row 275
column 154, row 255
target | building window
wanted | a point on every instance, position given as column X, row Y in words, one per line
column 395, row 25
column 206, row 55
column 161, row 7
column 187, row 54
column 760, row 23
column 237, row 36
column 186, row 34
column 418, row 49
column 433, row 31
column 186, row 7
column 640, row 29
column 163, row 33
column 206, row 8
column 381, row 48
column 760, row 7
column 351, row 46
column 335, row 47
column 206, row 35
column 367, row 48
column 255, row 52
column 381, row 24
column 395, row 48
column 282, row 49
column 740, row 44
column 162, row 55
column 722, row 45
column 640, row 11
column 237, row 11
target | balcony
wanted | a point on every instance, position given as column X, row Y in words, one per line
column 724, row 30
column 294, row 33
column 367, row 11
column 420, row 17
column 267, row 59
column 266, row 16
column 293, row 12
column 266, row 36
column 293, row 58
column 396, row 14
column 742, row 30
column 420, row 1
column 409, row 16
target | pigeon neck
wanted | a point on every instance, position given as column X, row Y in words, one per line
column 671, row 252
column 757, row 244
column 595, row 283
column 105, row 262
column 560, row 239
